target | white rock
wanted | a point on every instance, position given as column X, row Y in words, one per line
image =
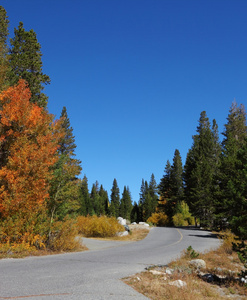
column 121, row 221
column 154, row 272
column 198, row 263
column 178, row 283
column 143, row 223
column 124, row 233
column 134, row 223
column 169, row 271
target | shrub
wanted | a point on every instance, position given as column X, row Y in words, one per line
column 93, row 226
column 183, row 216
column 63, row 236
column 159, row 219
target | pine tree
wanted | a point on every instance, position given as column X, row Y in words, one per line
column 171, row 186
column 95, row 198
column 165, row 183
column 234, row 138
column 200, row 169
column 103, row 201
column 115, row 198
column 177, row 177
column 126, row 204
column 135, row 213
column 25, row 62
column 153, row 191
column 238, row 221
column 65, row 185
column 86, row 207
column 4, row 32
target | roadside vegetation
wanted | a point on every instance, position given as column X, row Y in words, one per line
column 180, row 280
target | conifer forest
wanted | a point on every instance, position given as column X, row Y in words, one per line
column 41, row 188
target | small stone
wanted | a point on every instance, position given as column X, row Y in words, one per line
column 138, row 278
column 169, row 271
column 178, row 283
column 154, row 272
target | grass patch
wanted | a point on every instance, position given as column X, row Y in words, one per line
column 221, row 262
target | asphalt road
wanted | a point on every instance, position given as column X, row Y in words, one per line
column 96, row 274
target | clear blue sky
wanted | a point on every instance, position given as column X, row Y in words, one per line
column 135, row 75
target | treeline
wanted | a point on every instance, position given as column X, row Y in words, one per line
column 213, row 181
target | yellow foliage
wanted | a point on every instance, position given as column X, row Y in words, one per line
column 229, row 239
column 98, row 226
column 159, row 219
column 64, row 236
column 178, row 220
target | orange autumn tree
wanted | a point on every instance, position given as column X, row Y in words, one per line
column 29, row 138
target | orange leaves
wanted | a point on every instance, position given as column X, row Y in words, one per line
column 32, row 138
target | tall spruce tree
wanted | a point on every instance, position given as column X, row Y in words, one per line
column 86, row 207
column 234, row 139
column 4, row 33
column 95, row 198
column 126, row 204
column 65, row 185
column 148, row 198
column 199, row 172
column 25, row 62
column 103, row 201
column 238, row 220
column 171, row 186
column 176, row 177
column 153, row 191
column 115, row 199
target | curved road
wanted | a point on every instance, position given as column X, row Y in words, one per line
column 96, row 274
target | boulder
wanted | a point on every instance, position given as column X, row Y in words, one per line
column 198, row 263
column 144, row 223
column 121, row 221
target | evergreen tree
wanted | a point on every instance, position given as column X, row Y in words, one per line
column 65, row 185
column 86, row 207
column 142, row 199
column 234, row 139
column 126, row 204
column 25, row 62
column 153, row 191
column 176, row 177
column 95, row 198
column 67, row 144
column 164, row 187
column 238, row 185
column 200, row 168
column 148, row 198
column 171, row 186
column 135, row 213
column 103, row 201
column 4, row 32
column 115, row 198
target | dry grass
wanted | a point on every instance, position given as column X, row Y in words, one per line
column 158, row 287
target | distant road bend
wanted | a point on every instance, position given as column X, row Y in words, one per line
column 96, row 274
